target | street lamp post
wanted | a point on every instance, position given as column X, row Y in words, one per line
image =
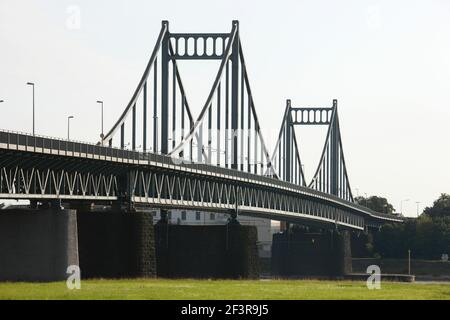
column 32, row 84
column 101, row 135
column 409, row 261
column 401, row 205
column 417, row 203
column 68, row 126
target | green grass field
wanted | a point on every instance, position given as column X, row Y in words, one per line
column 222, row 289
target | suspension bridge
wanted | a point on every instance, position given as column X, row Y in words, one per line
column 159, row 154
column 216, row 161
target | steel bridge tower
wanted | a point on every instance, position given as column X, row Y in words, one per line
column 331, row 173
column 226, row 132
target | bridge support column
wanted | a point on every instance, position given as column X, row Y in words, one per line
column 164, row 216
column 206, row 251
column 116, row 244
column 241, row 251
column 37, row 245
column 299, row 253
column 162, row 251
column 344, row 253
column 233, row 217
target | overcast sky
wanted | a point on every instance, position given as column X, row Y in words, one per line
column 387, row 62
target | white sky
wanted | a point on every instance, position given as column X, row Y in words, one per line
column 388, row 64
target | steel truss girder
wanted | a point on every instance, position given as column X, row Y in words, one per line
column 163, row 188
column 108, row 174
column 32, row 183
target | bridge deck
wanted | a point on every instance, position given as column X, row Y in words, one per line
column 72, row 156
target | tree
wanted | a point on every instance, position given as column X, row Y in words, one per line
column 432, row 237
column 428, row 237
column 440, row 208
column 375, row 203
column 391, row 241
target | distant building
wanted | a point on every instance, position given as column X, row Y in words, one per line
column 189, row 217
column 265, row 230
column 14, row 204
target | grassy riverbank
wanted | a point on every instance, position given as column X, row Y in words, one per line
column 222, row 289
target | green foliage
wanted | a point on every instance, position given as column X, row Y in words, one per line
column 426, row 237
column 375, row 203
column 440, row 208
column 389, row 241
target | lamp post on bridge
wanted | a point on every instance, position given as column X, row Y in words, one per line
column 417, row 203
column 32, row 84
column 401, row 205
column 68, row 126
column 2, row 101
column 102, row 136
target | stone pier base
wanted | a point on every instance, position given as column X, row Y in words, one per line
column 116, row 244
column 213, row 251
column 37, row 245
column 298, row 254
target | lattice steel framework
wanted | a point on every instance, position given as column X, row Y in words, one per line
column 45, row 169
column 163, row 188
column 34, row 183
column 184, row 191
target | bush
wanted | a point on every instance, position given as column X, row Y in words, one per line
column 426, row 237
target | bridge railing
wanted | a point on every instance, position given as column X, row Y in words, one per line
column 41, row 143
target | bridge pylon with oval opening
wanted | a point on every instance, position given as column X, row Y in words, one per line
column 226, row 133
column 331, row 173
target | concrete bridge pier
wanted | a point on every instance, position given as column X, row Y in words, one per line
column 206, row 251
column 162, row 251
column 112, row 242
column 37, row 244
column 300, row 253
column 116, row 243
column 241, row 252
